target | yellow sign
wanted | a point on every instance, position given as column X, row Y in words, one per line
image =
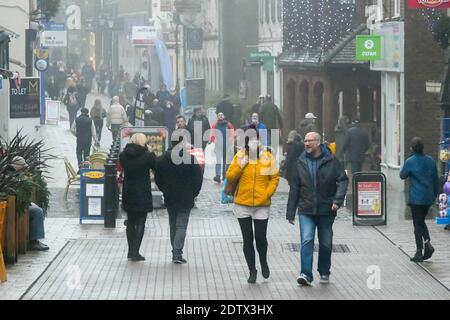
column 94, row 175
column 41, row 53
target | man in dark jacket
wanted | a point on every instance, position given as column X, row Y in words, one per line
column 317, row 190
column 180, row 184
column 226, row 108
column 270, row 115
column 356, row 145
column 203, row 124
column 84, row 129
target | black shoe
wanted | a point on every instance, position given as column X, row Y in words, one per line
column 252, row 278
column 137, row 257
column 38, row 246
column 217, row 179
column 179, row 260
column 447, row 227
column 265, row 270
column 418, row 257
column 428, row 252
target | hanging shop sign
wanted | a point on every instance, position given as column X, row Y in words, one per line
column 436, row 4
column 368, row 48
column 143, row 35
column 392, row 47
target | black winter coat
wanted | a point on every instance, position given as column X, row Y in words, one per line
column 205, row 127
column 137, row 189
column 84, row 132
column 227, row 109
column 180, row 184
column 332, row 182
column 295, row 150
column 356, row 144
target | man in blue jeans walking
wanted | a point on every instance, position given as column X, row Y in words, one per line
column 317, row 191
column 180, row 178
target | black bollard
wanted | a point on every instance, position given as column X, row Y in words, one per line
column 111, row 193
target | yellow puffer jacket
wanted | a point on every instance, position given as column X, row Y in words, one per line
column 258, row 181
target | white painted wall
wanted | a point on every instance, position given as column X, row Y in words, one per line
column 14, row 16
column 271, row 39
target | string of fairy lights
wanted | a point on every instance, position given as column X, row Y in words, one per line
column 316, row 23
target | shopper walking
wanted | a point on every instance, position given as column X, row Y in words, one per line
column 424, row 188
column 116, row 118
column 255, row 171
column 180, row 184
column 98, row 114
column 317, row 191
column 137, row 201
column 222, row 134
column 84, row 129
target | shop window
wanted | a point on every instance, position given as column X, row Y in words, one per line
column 273, row 9
column 280, row 10
column 261, row 11
column 267, row 11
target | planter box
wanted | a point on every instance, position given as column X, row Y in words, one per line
column 3, row 204
column 10, row 231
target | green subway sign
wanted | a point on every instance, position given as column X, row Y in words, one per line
column 368, row 48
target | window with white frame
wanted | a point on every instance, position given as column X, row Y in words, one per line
column 273, row 9
column 261, row 11
column 380, row 10
column 280, row 10
column 396, row 8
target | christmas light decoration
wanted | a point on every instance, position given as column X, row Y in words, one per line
column 316, row 23
column 439, row 25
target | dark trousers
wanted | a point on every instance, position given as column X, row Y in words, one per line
column 115, row 130
column 260, row 236
column 419, row 213
column 72, row 116
column 98, row 123
column 135, row 232
column 178, row 221
column 356, row 166
column 83, row 152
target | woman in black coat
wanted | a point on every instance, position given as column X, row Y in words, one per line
column 137, row 161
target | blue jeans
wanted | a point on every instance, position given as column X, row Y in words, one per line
column 308, row 225
column 36, row 222
column 178, row 221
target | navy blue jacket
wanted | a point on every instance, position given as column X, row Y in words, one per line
column 424, row 180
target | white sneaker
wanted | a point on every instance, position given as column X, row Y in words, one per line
column 324, row 279
column 303, row 280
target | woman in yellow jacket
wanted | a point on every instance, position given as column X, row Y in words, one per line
column 258, row 176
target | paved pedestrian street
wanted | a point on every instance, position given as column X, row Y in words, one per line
column 89, row 262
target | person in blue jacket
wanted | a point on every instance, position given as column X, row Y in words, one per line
column 424, row 187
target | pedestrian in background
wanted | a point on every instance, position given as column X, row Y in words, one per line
column 317, row 191
column 307, row 125
column 294, row 150
column 423, row 190
column 226, row 108
column 84, row 129
column 71, row 101
column 180, row 184
column 340, row 133
column 255, row 171
column 222, row 135
column 356, row 145
column 203, row 123
column 270, row 115
column 98, row 114
column 116, row 117
column 137, row 201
